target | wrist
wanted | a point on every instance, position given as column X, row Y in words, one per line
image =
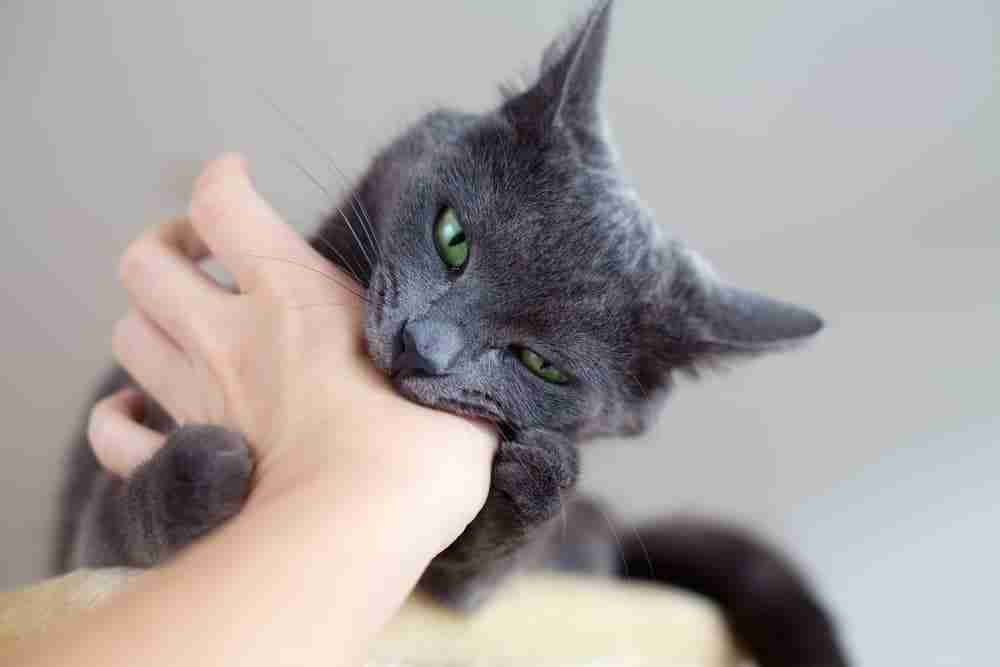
column 414, row 463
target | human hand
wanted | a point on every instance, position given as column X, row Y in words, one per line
column 281, row 361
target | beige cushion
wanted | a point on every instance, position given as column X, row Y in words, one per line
column 537, row 620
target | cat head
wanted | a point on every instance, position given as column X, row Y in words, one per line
column 521, row 279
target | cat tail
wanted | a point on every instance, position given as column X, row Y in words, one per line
column 768, row 604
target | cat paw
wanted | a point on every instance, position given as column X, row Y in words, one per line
column 531, row 480
column 526, row 490
column 205, row 479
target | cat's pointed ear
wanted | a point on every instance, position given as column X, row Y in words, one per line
column 723, row 319
column 567, row 92
column 738, row 320
column 695, row 319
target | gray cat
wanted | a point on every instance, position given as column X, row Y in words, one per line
column 512, row 274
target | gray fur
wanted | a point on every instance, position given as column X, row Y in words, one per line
column 565, row 260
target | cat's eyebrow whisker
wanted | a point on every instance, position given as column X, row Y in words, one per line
column 315, row 181
column 362, row 214
column 332, row 278
column 348, row 265
column 298, row 127
column 371, row 263
column 367, row 225
column 363, row 217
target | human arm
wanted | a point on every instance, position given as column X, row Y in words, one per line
column 347, row 509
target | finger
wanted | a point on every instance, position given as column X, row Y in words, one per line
column 240, row 228
column 160, row 272
column 156, row 363
column 119, row 441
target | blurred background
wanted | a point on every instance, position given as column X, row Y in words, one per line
column 844, row 155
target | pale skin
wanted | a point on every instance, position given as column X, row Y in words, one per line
column 356, row 489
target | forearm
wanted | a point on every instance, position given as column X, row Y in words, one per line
column 356, row 488
column 296, row 578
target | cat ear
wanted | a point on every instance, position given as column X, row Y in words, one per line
column 736, row 320
column 725, row 318
column 701, row 320
column 567, row 91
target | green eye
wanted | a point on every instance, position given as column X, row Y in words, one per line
column 449, row 236
column 540, row 367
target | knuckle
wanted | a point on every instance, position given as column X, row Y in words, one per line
column 221, row 343
column 208, row 205
column 132, row 262
column 210, row 197
column 213, row 345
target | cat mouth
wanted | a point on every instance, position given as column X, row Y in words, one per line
column 415, row 388
column 469, row 410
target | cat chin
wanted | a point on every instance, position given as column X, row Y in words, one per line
column 441, row 393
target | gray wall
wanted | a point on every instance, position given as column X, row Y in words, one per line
column 839, row 154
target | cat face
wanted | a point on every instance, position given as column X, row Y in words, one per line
column 520, row 278
column 528, row 316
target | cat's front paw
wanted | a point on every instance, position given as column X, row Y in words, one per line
column 204, row 473
column 530, row 480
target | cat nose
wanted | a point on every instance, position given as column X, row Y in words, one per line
column 430, row 347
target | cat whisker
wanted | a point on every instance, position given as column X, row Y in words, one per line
column 347, row 265
column 369, row 226
column 618, row 540
column 645, row 551
column 365, row 219
column 642, row 389
column 332, row 278
column 356, row 203
column 315, row 181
